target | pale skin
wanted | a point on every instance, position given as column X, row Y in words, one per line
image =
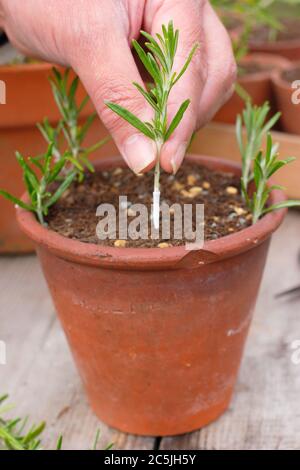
column 94, row 37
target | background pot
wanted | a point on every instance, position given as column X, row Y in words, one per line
column 257, row 85
column 28, row 100
column 157, row 334
column 285, row 47
column 288, row 49
column 290, row 111
column 287, row 43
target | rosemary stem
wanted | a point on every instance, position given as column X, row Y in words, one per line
column 247, row 163
column 157, row 166
column 156, row 189
column 39, row 209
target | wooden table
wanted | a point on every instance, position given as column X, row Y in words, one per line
column 42, row 381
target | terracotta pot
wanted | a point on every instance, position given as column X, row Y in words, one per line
column 257, row 85
column 288, row 48
column 290, row 111
column 28, row 100
column 157, row 334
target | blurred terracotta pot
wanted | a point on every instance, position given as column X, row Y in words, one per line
column 257, row 84
column 288, row 96
column 28, row 100
column 288, row 47
column 157, row 334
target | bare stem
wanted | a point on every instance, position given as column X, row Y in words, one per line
column 159, row 144
column 156, row 191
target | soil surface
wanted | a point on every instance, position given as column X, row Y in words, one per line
column 74, row 215
column 291, row 75
column 252, row 68
column 290, row 31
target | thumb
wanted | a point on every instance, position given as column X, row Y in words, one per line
column 107, row 73
column 188, row 21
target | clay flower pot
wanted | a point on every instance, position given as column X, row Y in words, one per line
column 28, row 100
column 290, row 110
column 257, row 84
column 157, row 334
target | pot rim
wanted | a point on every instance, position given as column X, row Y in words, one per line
column 275, row 45
column 16, row 69
column 155, row 258
column 281, row 82
column 279, row 62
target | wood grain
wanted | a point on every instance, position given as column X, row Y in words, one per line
column 42, row 381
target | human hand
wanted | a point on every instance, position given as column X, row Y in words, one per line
column 94, row 37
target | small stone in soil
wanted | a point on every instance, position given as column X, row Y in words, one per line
column 239, row 210
column 231, row 190
column 163, row 245
column 191, row 180
column 117, row 171
column 195, row 191
column 120, row 243
column 177, row 186
column 131, row 212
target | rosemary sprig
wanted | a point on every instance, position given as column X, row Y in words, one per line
column 13, row 435
column 259, row 166
column 70, row 133
column 65, row 159
column 16, row 435
column 39, row 174
column 159, row 62
column 254, row 119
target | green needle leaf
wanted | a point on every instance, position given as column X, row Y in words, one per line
column 177, row 118
column 147, row 96
column 15, row 200
column 62, row 188
column 282, row 205
column 59, row 443
column 131, row 118
column 187, row 63
column 151, row 69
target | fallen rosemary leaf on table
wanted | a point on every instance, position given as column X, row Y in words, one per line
column 16, row 434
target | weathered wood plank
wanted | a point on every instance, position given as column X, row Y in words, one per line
column 40, row 375
column 265, row 411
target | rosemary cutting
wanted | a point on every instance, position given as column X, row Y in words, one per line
column 39, row 174
column 70, row 132
column 159, row 62
column 259, row 166
column 47, row 176
column 16, row 434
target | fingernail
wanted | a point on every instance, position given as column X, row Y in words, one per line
column 178, row 157
column 139, row 152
